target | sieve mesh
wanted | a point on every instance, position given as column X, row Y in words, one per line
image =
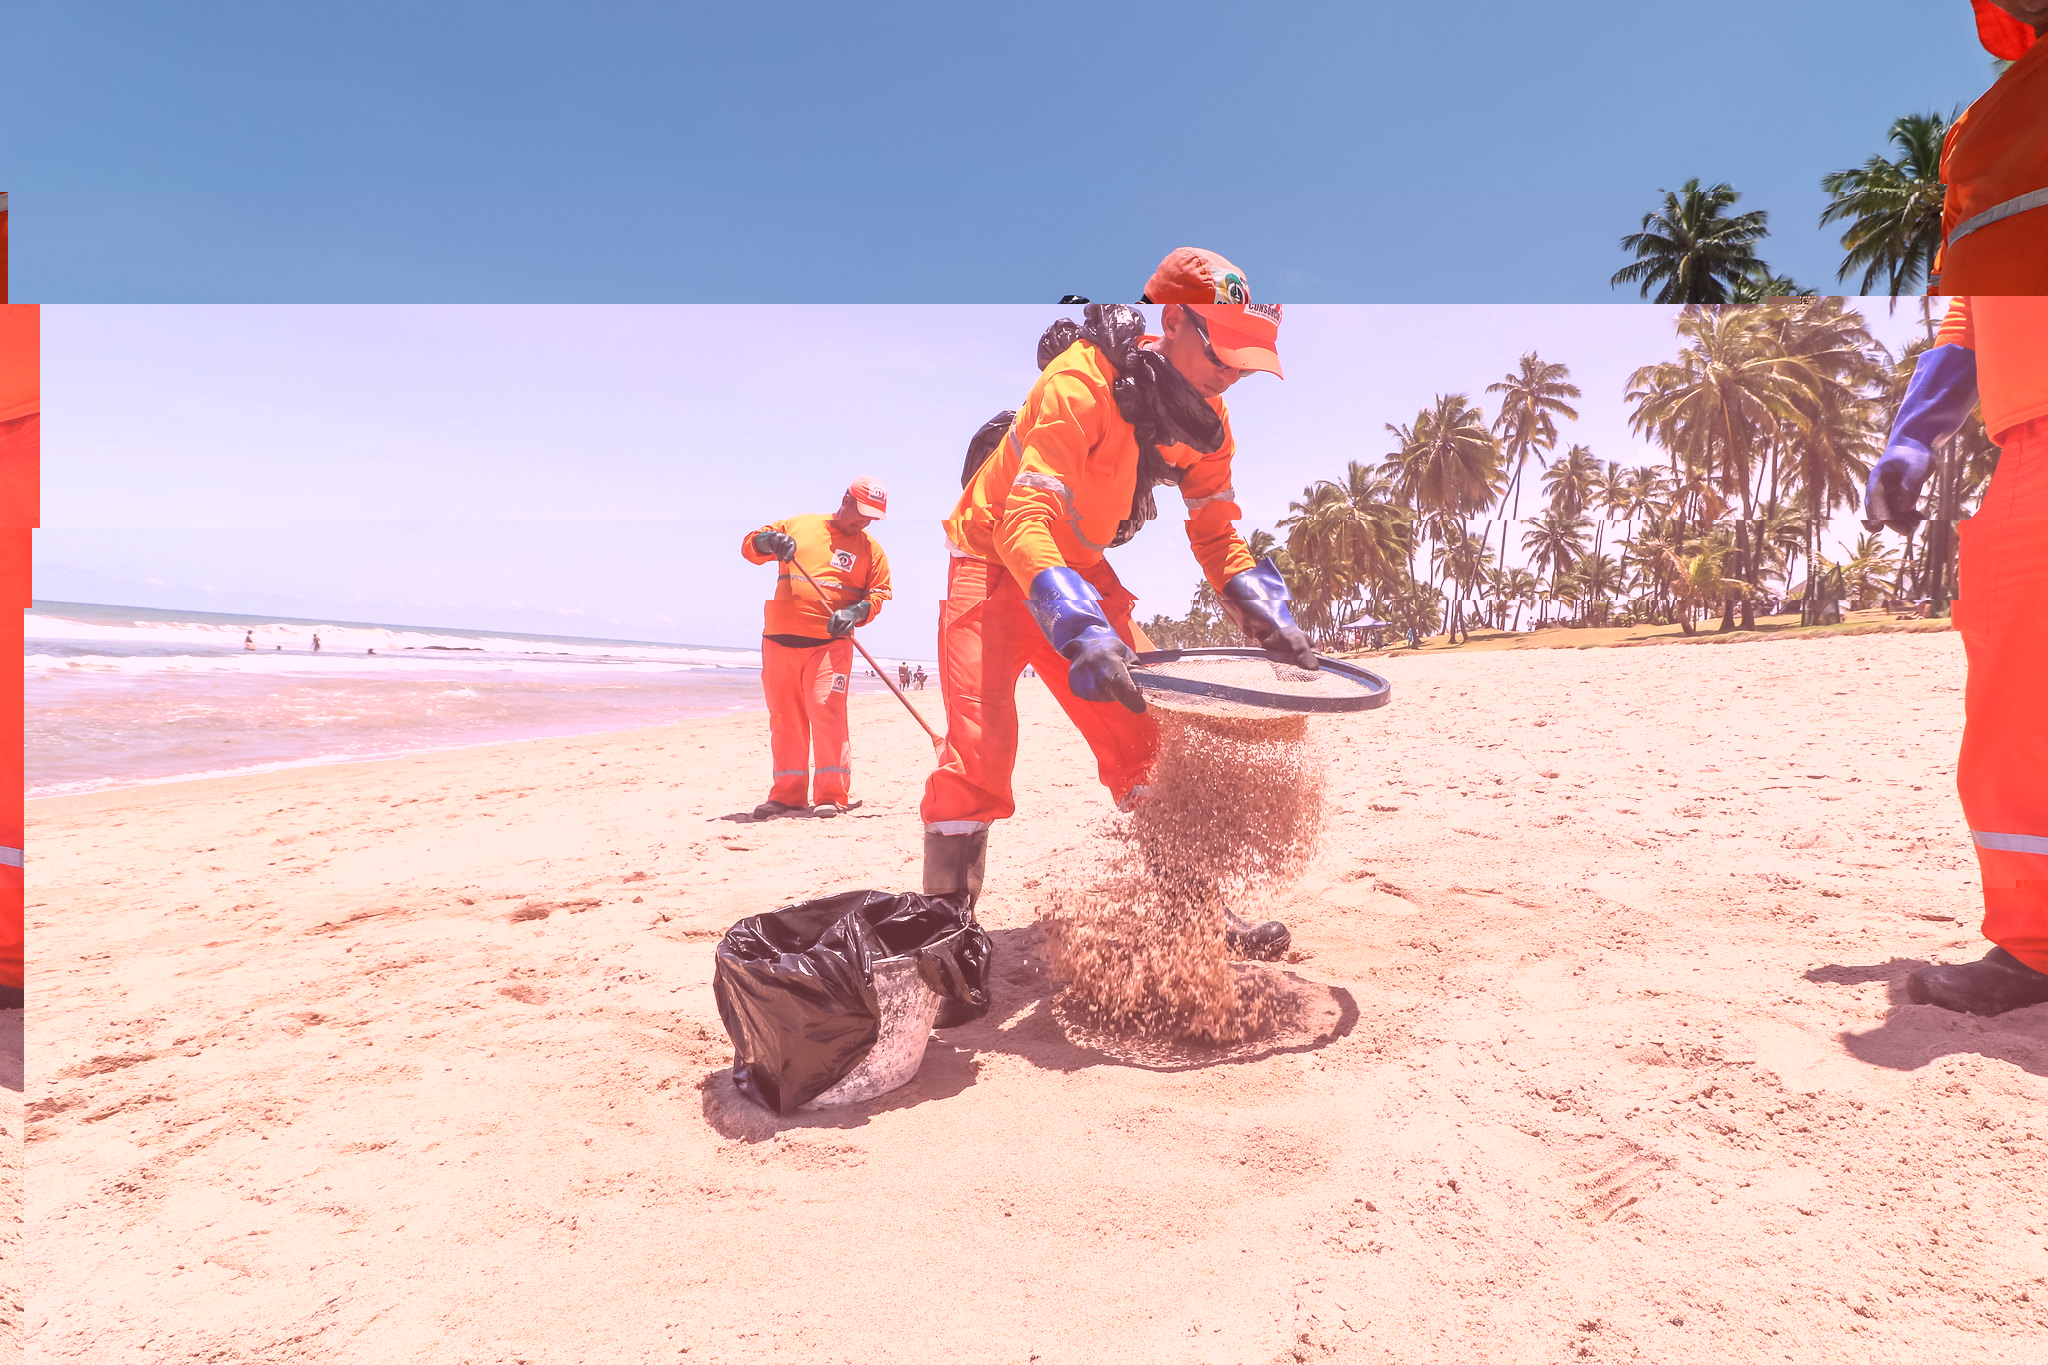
column 1234, row 679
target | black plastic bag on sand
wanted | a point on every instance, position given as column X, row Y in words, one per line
column 796, row 986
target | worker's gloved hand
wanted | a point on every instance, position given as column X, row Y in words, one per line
column 1892, row 497
column 1067, row 608
column 846, row 618
column 1289, row 645
column 1099, row 669
column 1937, row 402
column 1257, row 601
column 781, row 544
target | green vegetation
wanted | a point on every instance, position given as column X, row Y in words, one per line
column 1766, row 421
column 1892, row 208
column 1693, row 250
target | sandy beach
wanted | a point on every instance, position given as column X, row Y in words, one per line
column 416, row 1060
column 10, row 1183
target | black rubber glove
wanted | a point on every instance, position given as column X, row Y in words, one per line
column 781, row 544
column 1256, row 600
column 1289, row 645
column 1099, row 669
column 846, row 618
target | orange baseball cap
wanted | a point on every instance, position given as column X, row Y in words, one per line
column 1243, row 334
column 1192, row 275
column 2002, row 35
column 870, row 499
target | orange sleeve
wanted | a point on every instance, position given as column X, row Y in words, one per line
column 1957, row 329
column 1062, row 418
column 1213, row 513
column 879, row 590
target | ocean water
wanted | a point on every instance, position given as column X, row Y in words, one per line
column 119, row 696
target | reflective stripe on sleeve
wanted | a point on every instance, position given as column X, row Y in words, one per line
column 10, row 857
column 2011, row 843
column 2033, row 199
column 1197, row 504
column 1046, row 483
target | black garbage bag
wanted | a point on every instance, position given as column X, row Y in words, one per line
column 796, row 986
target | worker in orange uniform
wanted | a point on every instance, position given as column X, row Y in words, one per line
column 1991, row 351
column 21, row 420
column 1994, row 218
column 1113, row 415
column 807, row 645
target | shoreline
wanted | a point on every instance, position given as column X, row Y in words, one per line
column 336, row 760
column 754, row 706
column 855, row 705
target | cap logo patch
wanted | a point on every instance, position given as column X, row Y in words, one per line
column 1269, row 311
column 1231, row 288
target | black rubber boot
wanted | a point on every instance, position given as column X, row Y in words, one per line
column 953, row 863
column 1265, row 941
column 1993, row 984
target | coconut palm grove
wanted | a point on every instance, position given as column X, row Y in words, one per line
column 1481, row 512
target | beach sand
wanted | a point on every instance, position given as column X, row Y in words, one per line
column 1616, row 1063
column 10, row 1184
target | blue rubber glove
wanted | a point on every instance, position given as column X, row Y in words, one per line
column 781, row 544
column 1257, row 601
column 846, row 618
column 1938, row 400
column 1065, row 605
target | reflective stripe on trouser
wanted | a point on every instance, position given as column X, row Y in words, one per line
column 986, row 637
column 806, row 691
column 2001, row 610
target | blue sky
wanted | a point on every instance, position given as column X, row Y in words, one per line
column 1489, row 152
column 589, row 470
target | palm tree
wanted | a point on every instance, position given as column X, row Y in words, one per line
column 1447, row 467
column 1718, row 401
column 1689, row 251
column 1348, row 539
column 1760, row 285
column 1893, row 208
column 1519, row 588
column 1787, row 535
column 1556, row 543
column 1699, row 580
column 1460, row 559
column 1533, row 397
column 1572, row 483
column 1413, row 607
column 1866, row 566
column 1833, row 434
column 1595, row 577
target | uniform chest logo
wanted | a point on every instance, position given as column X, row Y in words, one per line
column 842, row 560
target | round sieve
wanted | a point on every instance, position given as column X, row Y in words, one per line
column 1231, row 678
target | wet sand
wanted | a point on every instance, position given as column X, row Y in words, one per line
column 1606, row 1056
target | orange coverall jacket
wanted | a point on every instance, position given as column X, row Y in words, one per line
column 1995, row 159
column 847, row 567
column 1060, row 483
column 2010, row 338
column 20, row 455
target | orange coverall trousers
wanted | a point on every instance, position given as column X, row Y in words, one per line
column 986, row 638
column 2001, row 611
column 806, row 690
